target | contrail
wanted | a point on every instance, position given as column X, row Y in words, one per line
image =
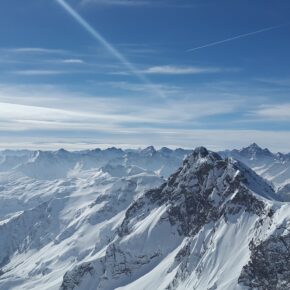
column 108, row 46
column 236, row 37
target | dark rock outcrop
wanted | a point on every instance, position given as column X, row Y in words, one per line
column 269, row 266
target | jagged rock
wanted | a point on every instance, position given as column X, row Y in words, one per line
column 206, row 193
column 273, row 167
column 199, row 192
column 214, row 224
column 269, row 265
column 73, row 278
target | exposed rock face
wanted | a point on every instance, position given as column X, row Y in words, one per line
column 284, row 192
column 29, row 226
column 213, row 225
column 78, row 218
column 206, row 205
column 73, row 279
column 269, row 265
column 204, row 189
column 275, row 167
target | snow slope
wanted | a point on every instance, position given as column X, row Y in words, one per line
column 107, row 219
column 274, row 167
column 196, row 231
column 74, row 219
column 59, row 208
column 50, row 165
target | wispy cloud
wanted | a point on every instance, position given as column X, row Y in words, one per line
column 212, row 139
column 46, row 109
column 273, row 112
column 107, row 45
column 36, row 50
column 73, row 61
column 186, row 120
column 235, row 37
column 284, row 82
column 167, row 89
column 27, row 57
column 39, row 72
column 180, row 70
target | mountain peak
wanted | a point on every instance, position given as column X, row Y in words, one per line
column 113, row 149
column 254, row 146
column 205, row 189
column 202, row 161
column 254, row 150
column 201, row 155
column 149, row 150
column 62, row 152
column 206, row 200
column 165, row 150
column 200, row 151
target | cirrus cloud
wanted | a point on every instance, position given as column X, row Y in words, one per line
column 274, row 112
column 180, row 70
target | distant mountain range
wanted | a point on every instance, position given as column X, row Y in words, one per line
column 145, row 219
column 57, row 164
column 275, row 167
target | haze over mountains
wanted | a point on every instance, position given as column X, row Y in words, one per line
column 145, row 219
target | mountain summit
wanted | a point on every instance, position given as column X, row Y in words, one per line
column 273, row 167
column 202, row 229
column 107, row 219
column 254, row 151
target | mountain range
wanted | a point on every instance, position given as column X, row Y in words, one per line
column 145, row 219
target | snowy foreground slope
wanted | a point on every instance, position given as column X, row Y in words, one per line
column 214, row 224
column 60, row 208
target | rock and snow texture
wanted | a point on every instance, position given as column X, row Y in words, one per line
column 57, row 209
column 105, row 220
column 50, row 165
column 75, row 220
column 273, row 167
column 196, row 231
column 269, row 264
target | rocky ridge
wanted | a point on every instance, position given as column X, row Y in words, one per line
column 183, row 228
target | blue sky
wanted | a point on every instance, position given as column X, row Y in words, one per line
column 133, row 73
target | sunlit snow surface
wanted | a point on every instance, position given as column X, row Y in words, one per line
column 61, row 208
column 64, row 218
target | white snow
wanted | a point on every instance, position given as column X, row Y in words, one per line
column 59, row 210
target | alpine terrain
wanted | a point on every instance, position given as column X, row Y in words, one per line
column 145, row 219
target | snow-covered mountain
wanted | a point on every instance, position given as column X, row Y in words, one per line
column 274, row 167
column 202, row 229
column 110, row 220
column 51, row 165
column 47, row 227
column 56, row 208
